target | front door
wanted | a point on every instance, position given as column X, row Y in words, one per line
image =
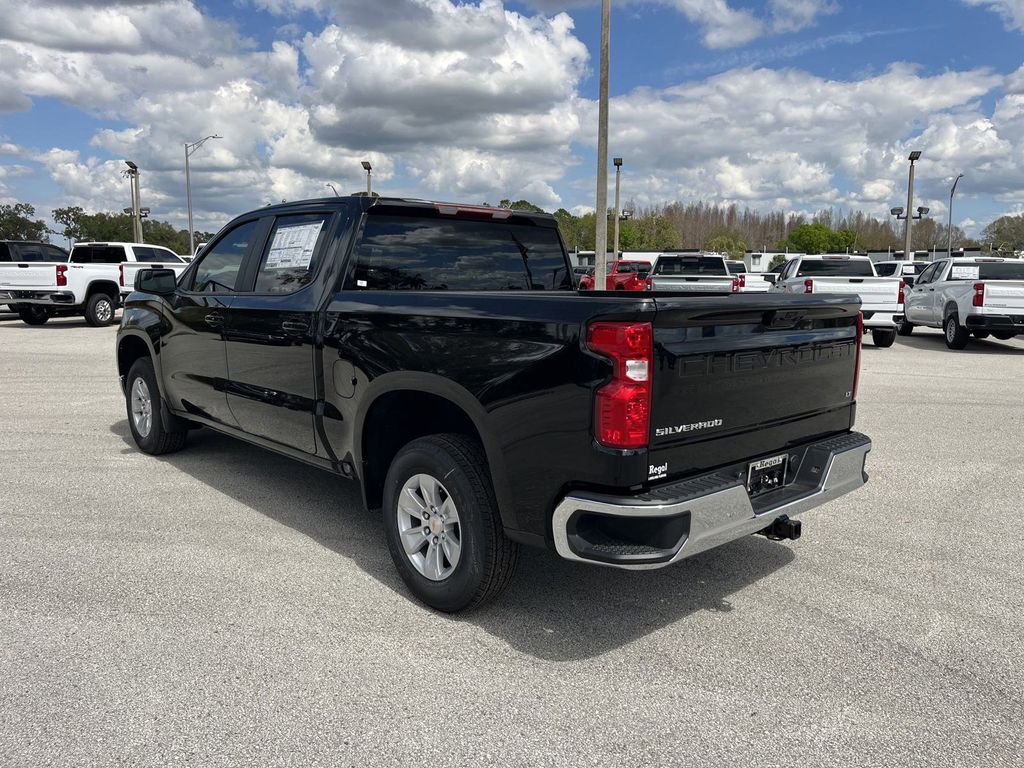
column 192, row 355
column 270, row 334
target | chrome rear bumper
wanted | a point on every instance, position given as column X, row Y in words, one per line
column 675, row 521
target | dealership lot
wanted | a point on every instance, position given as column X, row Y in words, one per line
column 226, row 606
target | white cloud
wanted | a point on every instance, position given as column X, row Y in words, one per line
column 1011, row 11
column 794, row 15
column 722, row 26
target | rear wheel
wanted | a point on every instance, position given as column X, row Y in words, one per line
column 442, row 524
column 142, row 399
column 883, row 337
column 99, row 310
column 903, row 328
column 1003, row 335
column 956, row 334
column 33, row 315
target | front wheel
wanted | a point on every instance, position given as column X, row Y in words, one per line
column 33, row 315
column 442, row 524
column 956, row 334
column 883, row 337
column 142, row 399
column 99, row 310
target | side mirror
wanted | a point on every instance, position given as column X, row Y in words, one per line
column 771, row 277
column 162, row 282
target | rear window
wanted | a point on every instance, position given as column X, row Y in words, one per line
column 98, row 254
column 639, row 267
column 404, row 253
column 885, row 270
column 835, row 268
column 991, row 270
column 690, row 265
column 737, row 267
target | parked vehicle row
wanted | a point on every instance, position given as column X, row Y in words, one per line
column 91, row 281
column 440, row 355
column 621, row 276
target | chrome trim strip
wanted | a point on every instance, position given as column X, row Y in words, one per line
column 718, row 517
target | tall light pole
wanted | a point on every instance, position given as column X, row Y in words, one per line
column 369, row 182
column 949, row 227
column 601, row 236
column 907, row 253
column 133, row 179
column 617, row 162
column 333, row 188
column 190, row 149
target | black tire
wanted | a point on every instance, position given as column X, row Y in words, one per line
column 882, row 337
column 487, row 557
column 1004, row 335
column 99, row 310
column 956, row 335
column 156, row 440
column 903, row 328
column 33, row 314
column 980, row 334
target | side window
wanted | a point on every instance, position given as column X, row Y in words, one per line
column 52, row 253
column 292, row 253
column 940, row 267
column 217, row 269
column 143, row 253
column 5, row 252
column 29, row 252
column 788, row 270
column 927, row 276
column 165, row 256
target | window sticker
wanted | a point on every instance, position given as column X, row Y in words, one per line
column 293, row 246
column 965, row 272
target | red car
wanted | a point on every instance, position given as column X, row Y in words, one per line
column 622, row 276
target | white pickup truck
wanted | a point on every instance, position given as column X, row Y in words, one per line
column 696, row 273
column 750, row 282
column 965, row 297
column 881, row 297
column 92, row 282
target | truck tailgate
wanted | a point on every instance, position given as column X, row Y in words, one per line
column 692, row 284
column 751, row 378
column 1005, row 296
column 876, row 293
column 31, row 276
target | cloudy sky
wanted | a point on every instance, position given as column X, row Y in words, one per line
column 791, row 104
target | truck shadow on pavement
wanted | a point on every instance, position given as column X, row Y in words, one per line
column 553, row 610
column 936, row 342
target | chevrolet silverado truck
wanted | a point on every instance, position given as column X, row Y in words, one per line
column 749, row 282
column 622, row 276
column 695, row 273
column 439, row 355
column 91, row 283
column 881, row 297
column 965, row 297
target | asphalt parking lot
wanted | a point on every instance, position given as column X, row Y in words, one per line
column 225, row 606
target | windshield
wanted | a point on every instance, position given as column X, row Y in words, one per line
column 987, row 270
column 835, row 268
column 690, row 265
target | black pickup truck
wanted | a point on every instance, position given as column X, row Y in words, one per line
column 439, row 355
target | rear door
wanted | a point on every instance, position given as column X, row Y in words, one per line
column 270, row 333
column 920, row 298
column 758, row 374
column 192, row 355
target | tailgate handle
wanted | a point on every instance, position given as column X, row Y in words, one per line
column 23, row 266
column 214, row 320
column 856, row 280
column 779, row 319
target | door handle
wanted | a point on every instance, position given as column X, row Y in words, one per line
column 294, row 326
column 214, row 320
column 931, row 290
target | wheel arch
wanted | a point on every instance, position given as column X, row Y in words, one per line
column 108, row 287
column 403, row 406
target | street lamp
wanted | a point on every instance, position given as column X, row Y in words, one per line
column 617, row 162
column 949, row 227
column 369, row 182
column 190, row 149
column 601, row 213
column 914, row 157
column 133, row 179
column 922, row 211
column 335, row 189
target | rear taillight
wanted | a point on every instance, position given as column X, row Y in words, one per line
column 622, row 407
column 808, row 286
column 735, row 285
column 120, row 275
column 743, row 281
column 62, row 278
column 860, row 345
column 902, row 294
column 979, row 295
column 648, row 284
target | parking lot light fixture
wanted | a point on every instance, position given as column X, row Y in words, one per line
column 907, row 253
column 617, row 162
column 949, row 226
column 369, row 183
column 190, row 149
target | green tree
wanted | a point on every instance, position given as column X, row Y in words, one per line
column 98, row 227
column 1005, row 233
column 17, row 223
column 777, row 260
column 728, row 242
column 520, row 205
column 809, row 238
